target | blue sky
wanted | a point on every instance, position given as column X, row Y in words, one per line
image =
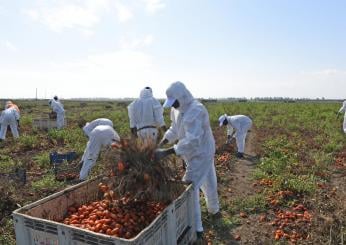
column 222, row 48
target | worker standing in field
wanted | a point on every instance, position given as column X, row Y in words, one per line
column 58, row 108
column 195, row 144
column 343, row 109
column 9, row 117
column 146, row 116
column 237, row 127
column 100, row 136
column 89, row 126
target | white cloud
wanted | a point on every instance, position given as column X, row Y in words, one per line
column 10, row 46
column 153, row 6
column 124, row 12
column 68, row 14
column 113, row 74
column 329, row 72
column 2, row 10
column 126, row 43
column 32, row 13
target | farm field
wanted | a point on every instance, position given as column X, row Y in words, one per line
column 289, row 189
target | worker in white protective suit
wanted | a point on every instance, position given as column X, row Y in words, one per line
column 237, row 127
column 89, row 126
column 10, row 104
column 9, row 117
column 100, row 136
column 195, row 144
column 343, row 109
column 58, row 108
column 146, row 116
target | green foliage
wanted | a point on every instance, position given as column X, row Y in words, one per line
column 28, row 142
column 42, row 159
column 303, row 184
column 7, row 232
column 48, row 182
column 58, row 134
column 6, row 163
column 250, row 204
column 26, row 121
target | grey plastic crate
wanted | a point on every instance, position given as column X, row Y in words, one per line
column 45, row 123
column 34, row 225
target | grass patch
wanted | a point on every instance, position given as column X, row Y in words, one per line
column 7, row 233
column 28, row 142
column 6, row 163
column 250, row 204
column 42, row 160
column 48, row 182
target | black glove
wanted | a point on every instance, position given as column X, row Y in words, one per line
column 134, row 131
column 164, row 128
column 229, row 139
column 80, row 165
column 18, row 126
column 162, row 153
column 163, row 142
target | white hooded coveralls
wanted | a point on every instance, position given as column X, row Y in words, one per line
column 241, row 124
column 100, row 136
column 146, row 115
column 9, row 117
column 91, row 125
column 196, row 145
column 343, row 109
column 58, row 108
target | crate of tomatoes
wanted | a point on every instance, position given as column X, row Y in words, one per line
column 91, row 213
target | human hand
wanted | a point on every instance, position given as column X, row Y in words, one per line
column 229, row 139
column 163, row 142
column 162, row 153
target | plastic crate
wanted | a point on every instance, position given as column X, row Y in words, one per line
column 45, row 123
column 34, row 225
column 57, row 158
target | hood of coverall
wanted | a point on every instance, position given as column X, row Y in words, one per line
column 178, row 91
column 146, row 93
column 221, row 119
column 8, row 104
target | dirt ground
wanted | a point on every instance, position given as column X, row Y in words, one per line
column 235, row 182
column 240, row 225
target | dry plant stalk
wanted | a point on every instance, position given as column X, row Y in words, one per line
column 140, row 176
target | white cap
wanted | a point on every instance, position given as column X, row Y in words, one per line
column 169, row 102
column 222, row 118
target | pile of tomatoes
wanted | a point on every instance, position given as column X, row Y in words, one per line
column 124, row 217
column 289, row 222
column 224, row 157
column 67, row 176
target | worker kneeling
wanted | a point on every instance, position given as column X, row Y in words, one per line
column 237, row 127
column 100, row 136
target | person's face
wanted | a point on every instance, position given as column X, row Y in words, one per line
column 176, row 104
column 225, row 122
